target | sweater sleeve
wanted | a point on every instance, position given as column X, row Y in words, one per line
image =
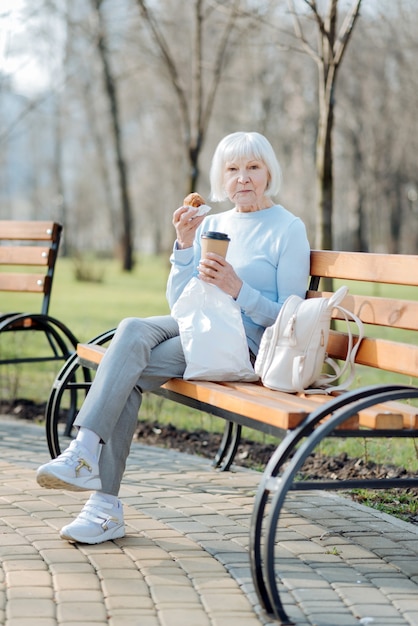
column 292, row 278
column 183, row 268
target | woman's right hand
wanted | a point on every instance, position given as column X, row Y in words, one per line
column 186, row 224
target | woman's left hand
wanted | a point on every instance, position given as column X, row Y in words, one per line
column 216, row 271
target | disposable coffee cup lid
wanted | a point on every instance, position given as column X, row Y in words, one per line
column 211, row 234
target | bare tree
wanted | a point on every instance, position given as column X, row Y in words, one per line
column 378, row 98
column 328, row 55
column 103, row 166
column 366, row 166
column 195, row 103
column 126, row 242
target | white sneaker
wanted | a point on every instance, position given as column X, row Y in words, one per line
column 98, row 521
column 73, row 470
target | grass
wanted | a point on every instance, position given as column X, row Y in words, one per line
column 400, row 452
column 394, row 502
column 87, row 308
column 90, row 308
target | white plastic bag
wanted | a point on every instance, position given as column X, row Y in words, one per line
column 212, row 334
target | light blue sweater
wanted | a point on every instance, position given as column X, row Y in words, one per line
column 269, row 251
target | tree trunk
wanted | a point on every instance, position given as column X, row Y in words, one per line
column 359, row 236
column 60, row 202
column 110, row 86
column 324, row 175
column 395, row 218
column 328, row 57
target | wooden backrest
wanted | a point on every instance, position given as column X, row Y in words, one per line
column 375, row 305
column 28, row 252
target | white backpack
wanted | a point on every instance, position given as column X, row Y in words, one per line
column 292, row 351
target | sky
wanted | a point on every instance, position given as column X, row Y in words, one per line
column 28, row 76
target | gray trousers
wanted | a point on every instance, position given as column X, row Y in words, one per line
column 143, row 354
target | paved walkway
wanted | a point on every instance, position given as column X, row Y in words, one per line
column 184, row 560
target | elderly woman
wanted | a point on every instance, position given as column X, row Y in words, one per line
column 267, row 260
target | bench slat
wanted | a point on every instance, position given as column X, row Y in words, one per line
column 379, row 353
column 390, row 416
column 257, row 408
column 92, row 353
column 25, row 255
column 377, row 311
column 27, row 230
column 380, row 420
column 305, row 402
column 399, row 269
column 257, row 390
column 34, row 283
column 308, row 402
column 409, row 413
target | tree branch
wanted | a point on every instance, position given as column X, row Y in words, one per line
column 197, row 70
column 170, row 63
column 314, row 8
column 300, row 34
column 345, row 32
column 220, row 56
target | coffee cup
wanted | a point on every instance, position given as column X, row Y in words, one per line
column 213, row 241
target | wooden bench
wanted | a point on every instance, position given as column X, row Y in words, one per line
column 301, row 421
column 28, row 254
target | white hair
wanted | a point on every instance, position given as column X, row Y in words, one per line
column 243, row 145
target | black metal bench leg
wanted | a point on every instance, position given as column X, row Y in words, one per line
column 279, row 488
column 269, row 482
column 228, row 446
column 256, row 532
column 61, row 383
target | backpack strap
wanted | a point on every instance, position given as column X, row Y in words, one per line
column 349, row 363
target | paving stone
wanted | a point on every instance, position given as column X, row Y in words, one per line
column 126, row 587
column 134, row 620
column 333, row 619
column 394, row 586
column 31, row 621
column 308, row 594
column 133, row 602
column 76, row 580
column 78, row 595
column 231, row 620
column 407, row 565
column 185, row 557
column 82, row 612
column 39, row 607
